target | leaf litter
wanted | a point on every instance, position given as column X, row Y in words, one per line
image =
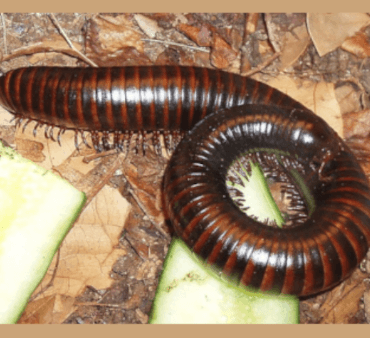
column 107, row 269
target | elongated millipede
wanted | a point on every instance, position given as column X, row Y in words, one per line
column 231, row 115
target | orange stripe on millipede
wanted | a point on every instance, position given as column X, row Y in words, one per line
column 344, row 229
column 79, row 108
column 66, row 85
column 53, row 84
column 193, row 92
column 41, row 98
column 219, row 88
column 31, row 78
column 208, row 213
column 123, row 108
column 269, row 275
column 17, row 92
column 345, row 264
column 108, row 105
column 179, row 86
column 320, row 241
column 94, row 110
column 268, row 94
column 364, row 228
column 205, row 91
column 163, row 81
column 228, row 230
column 196, row 201
column 139, row 107
column 216, row 224
column 152, row 111
column 293, row 247
column 309, row 268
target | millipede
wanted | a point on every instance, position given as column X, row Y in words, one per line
column 218, row 116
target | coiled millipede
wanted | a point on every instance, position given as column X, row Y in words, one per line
column 232, row 115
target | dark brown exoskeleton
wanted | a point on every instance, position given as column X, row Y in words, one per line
column 231, row 114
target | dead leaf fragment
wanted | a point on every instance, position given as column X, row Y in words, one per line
column 358, row 45
column 295, row 45
column 86, row 254
column 348, row 95
column 201, row 36
column 48, row 310
column 108, row 36
column 343, row 302
column 329, row 31
column 222, row 55
column 149, row 26
column 357, row 123
column 319, row 97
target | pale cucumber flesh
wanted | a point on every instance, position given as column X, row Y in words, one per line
column 191, row 293
column 37, row 208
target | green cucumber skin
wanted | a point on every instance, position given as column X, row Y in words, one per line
column 190, row 292
column 39, row 211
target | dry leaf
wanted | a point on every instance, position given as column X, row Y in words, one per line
column 329, row 31
column 358, row 45
column 342, row 302
column 357, row 123
column 319, row 97
column 295, row 45
column 149, row 26
column 201, row 36
column 49, row 310
column 86, row 254
column 222, row 55
column 348, row 95
column 108, row 37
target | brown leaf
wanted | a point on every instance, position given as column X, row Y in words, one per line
column 357, row 45
column 201, row 36
column 48, row 310
column 86, row 255
column 342, row 302
column 295, row 45
column 319, row 97
column 348, row 95
column 30, row 149
column 329, row 31
column 149, row 26
column 107, row 38
column 357, row 123
column 144, row 175
column 222, row 55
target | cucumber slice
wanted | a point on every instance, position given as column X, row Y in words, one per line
column 37, row 208
column 189, row 292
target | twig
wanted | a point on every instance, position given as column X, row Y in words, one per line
column 262, row 65
column 61, row 31
column 4, row 34
column 97, row 304
column 202, row 49
column 143, row 209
